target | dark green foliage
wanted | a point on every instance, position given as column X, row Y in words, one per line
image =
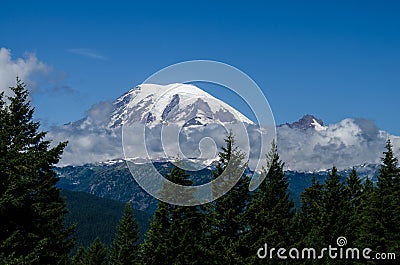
column 96, row 254
column 80, row 256
column 328, row 211
column 309, row 217
column 271, row 211
column 32, row 213
column 176, row 235
column 225, row 220
column 155, row 248
column 336, row 209
column 125, row 249
column 186, row 233
column 354, row 191
column 98, row 217
column 380, row 228
column 389, row 173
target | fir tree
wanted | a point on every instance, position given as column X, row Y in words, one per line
column 226, row 215
column 354, row 189
column 271, row 211
column 176, row 234
column 156, row 247
column 335, row 209
column 354, row 192
column 125, row 249
column 380, row 226
column 323, row 215
column 31, row 211
column 186, row 228
column 80, row 256
column 389, row 172
column 96, row 253
column 309, row 216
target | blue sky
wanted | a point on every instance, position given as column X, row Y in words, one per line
column 333, row 59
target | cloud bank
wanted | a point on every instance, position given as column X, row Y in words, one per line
column 348, row 143
column 345, row 144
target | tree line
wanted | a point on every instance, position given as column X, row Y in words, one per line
column 234, row 229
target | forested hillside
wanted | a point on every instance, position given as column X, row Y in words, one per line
column 97, row 217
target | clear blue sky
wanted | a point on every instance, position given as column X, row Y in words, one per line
column 333, row 59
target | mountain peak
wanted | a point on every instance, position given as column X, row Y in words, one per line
column 153, row 104
column 306, row 122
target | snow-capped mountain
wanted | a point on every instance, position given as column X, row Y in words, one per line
column 184, row 112
column 188, row 118
column 306, row 122
column 181, row 104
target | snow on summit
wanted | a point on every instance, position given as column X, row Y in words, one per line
column 178, row 103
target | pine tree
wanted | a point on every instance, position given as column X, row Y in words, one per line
column 226, row 222
column 125, row 249
column 31, row 211
column 271, row 211
column 96, row 253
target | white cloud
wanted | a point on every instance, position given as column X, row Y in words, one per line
column 88, row 53
column 345, row 144
column 25, row 68
column 348, row 143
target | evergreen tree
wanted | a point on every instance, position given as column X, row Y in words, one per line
column 271, row 211
column 31, row 211
column 354, row 189
column 335, row 209
column 226, row 222
column 389, row 172
column 125, row 249
column 309, row 216
column 80, row 256
column 186, row 228
column 324, row 216
column 156, row 247
column 96, row 253
column 380, row 226
column 176, row 234
column 354, row 192
column 368, row 188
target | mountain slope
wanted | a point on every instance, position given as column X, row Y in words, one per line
column 113, row 180
column 96, row 216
